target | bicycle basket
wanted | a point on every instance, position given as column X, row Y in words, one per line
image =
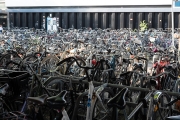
column 17, row 81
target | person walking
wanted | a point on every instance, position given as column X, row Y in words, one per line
column 1, row 29
column 36, row 25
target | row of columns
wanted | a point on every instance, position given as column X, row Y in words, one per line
column 96, row 20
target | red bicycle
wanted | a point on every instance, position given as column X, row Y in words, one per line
column 158, row 67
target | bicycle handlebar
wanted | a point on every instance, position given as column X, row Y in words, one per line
column 153, row 77
column 139, row 58
column 84, row 67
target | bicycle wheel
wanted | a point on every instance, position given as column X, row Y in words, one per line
column 47, row 113
column 161, row 111
column 32, row 61
column 81, row 114
column 135, row 81
column 82, row 108
column 98, row 112
column 44, row 112
column 74, row 69
column 176, row 106
column 55, row 86
column 97, row 74
column 120, row 81
column 167, row 83
column 48, row 65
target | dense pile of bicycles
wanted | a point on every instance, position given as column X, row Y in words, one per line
column 85, row 74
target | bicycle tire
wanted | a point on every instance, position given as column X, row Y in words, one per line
column 97, row 74
column 167, row 83
column 163, row 110
column 119, row 82
column 81, row 113
column 45, row 112
column 57, row 88
column 176, row 106
column 47, row 60
column 65, row 85
column 69, row 71
column 33, row 60
column 135, row 82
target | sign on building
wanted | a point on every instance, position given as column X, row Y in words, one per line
column 51, row 25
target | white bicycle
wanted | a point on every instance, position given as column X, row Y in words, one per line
column 96, row 98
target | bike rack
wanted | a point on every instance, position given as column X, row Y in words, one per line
column 76, row 79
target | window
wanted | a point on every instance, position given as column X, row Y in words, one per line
column 177, row 4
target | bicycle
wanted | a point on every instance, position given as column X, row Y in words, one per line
column 93, row 96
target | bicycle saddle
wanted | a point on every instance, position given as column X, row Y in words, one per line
column 118, row 100
column 3, row 89
column 173, row 117
column 58, row 101
column 39, row 100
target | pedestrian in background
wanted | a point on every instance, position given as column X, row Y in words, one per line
column 1, row 29
column 36, row 25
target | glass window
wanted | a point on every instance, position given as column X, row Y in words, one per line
column 177, row 4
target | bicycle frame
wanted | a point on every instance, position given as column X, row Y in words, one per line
column 65, row 115
column 158, row 66
column 91, row 92
column 92, row 97
column 154, row 98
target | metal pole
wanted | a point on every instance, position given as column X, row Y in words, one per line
column 172, row 16
column 8, row 23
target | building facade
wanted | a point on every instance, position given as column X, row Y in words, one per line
column 93, row 13
column 3, row 13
